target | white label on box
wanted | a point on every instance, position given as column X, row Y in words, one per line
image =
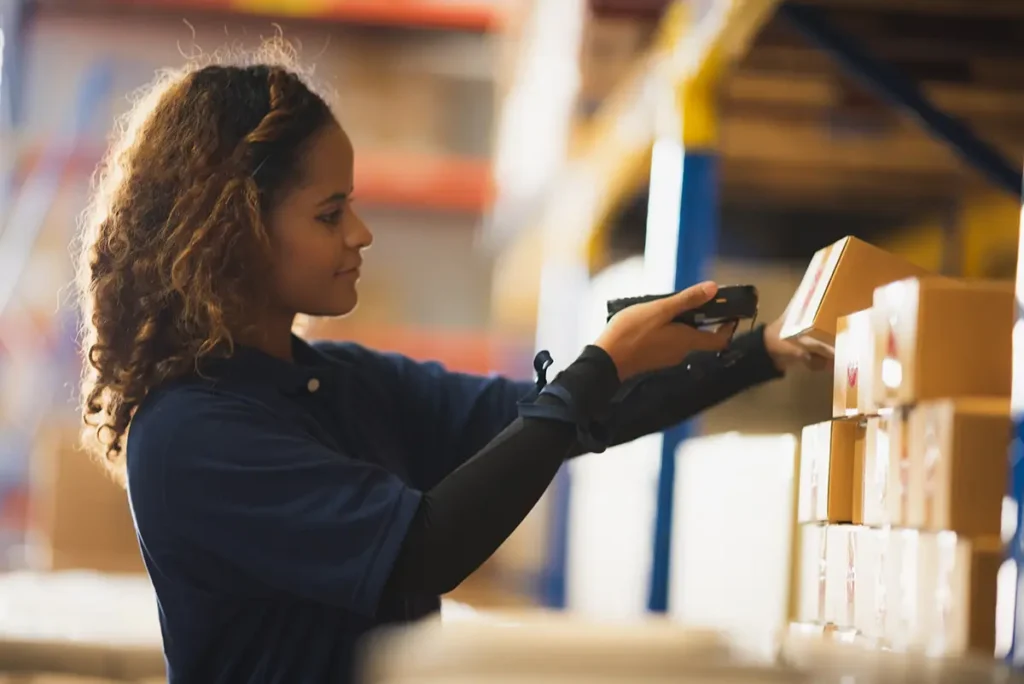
column 811, row 602
column 839, row 594
column 942, row 561
column 864, row 350
column 791, row 325
column 876, row 473
column 897, row 483
column 807, row 299
column 853, row 368
column 881, row 617
column 815, row 457
column 902, row 589
column 895, row 310
column 868, row 565
column 933, row 474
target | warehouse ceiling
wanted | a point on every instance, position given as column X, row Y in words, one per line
column 804, row 144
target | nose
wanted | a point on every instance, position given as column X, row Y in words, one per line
column 357, row 235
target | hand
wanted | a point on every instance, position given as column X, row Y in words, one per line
column 643, row 337
column 786, row 354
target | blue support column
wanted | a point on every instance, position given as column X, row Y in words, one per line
column 13, row 20
column 553, row 583
column 694, row 220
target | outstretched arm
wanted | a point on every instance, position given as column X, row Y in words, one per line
column 658, row 401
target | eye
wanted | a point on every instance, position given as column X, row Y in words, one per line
column 331, row 218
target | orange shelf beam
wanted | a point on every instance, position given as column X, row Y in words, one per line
column 439, row 14
column 419, row 181
column 468, row 351
column 443, row 183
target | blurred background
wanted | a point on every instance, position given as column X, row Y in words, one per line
column 504, row 162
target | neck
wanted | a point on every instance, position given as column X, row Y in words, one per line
column 273, row 337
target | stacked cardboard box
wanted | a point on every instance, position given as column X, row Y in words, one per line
column 79, row 519
column 900, row 494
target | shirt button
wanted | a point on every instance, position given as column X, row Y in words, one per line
column 313, row 385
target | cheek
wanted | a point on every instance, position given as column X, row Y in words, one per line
column 307, row 253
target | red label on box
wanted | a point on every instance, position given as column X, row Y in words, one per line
column 891, row 347
column 851, row 375
column 812, row 289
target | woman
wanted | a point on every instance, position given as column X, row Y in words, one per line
column 290, row 496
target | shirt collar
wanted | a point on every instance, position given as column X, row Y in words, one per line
column 310, row 372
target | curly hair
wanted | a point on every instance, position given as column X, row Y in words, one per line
column 173, row 248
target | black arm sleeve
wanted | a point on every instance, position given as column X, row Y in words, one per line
column 657, row 401
column 467, row 516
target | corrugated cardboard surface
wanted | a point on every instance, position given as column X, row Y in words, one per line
column 111, row 663
column 827, row 481
column 853, row 366
column 840, row 281
column 940, row 338
column 77, row 512
column 958, row 465
column 81, row 623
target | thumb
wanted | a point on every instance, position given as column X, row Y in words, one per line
column 690, row 298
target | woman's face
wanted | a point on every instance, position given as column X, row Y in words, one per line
column 317, row 237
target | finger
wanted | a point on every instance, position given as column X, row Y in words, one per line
column 690, row 298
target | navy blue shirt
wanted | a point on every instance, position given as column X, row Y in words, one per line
column 272, row 498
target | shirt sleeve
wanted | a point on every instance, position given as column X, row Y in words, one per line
column 446, row 416
column 259, row 493
column 657, row 401
column 456, row 414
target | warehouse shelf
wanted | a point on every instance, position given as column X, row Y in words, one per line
column 435, row 182
column 433, row 14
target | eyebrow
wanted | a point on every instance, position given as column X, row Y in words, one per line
column 336, row 197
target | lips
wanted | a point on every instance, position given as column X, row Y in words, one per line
column 354, row 270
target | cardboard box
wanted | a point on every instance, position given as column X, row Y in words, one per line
column 898, row 592
column 875, row 479
column 886, row 473
column 828, row 474
column 854, row 366
column 107, row 662
column 811, row 575
column 840, row 572
column 957, row 594
column 900, row 467
column 852, row 579
column 941, row 338
column 958, row 473
column 867, row 580
column 78, row 515
column 840, row 280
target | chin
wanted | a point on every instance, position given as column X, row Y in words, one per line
column 334, row 309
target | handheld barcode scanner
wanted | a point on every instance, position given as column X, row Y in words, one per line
column 731, row 304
